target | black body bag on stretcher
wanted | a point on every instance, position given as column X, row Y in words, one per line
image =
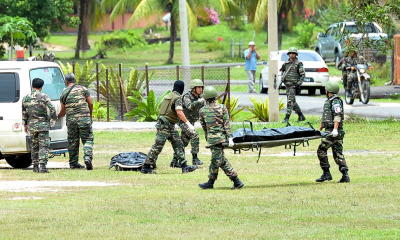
column 270, row 134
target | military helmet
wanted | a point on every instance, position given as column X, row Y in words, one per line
column 332, row 86
column 196, row 83
column 209, row 92
column 292, row 50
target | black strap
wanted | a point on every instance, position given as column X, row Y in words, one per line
column 64, row 99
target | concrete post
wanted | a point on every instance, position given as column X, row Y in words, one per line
column 184, row 42
column 396, row 58
column 273, row 94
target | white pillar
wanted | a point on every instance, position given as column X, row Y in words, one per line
column 273, row 94
column 183, row 19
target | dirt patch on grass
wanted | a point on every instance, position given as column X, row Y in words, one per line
column 48, row 186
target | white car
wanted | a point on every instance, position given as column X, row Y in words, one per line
column 317, row 72
column 15, row 83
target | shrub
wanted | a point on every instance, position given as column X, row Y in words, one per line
column 122, row 39
column 99, row 111
column 260, row 109
column 146, row 109
column 234, row 108
column 306, row 32
column 85, row 74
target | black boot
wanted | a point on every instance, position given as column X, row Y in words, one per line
column 345, row 176
column 196, row 160
column 236, row 183
column 186, row 168
column 75, row 166
column 42, row 168
column 326, row 176
column 175, row 164
column 286, row 119
column 146, row 169
column 35, row 167
column 88, row 163
column 207, row 185
column 301, row 117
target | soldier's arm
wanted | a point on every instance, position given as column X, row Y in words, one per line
column 50, row 106
column 301, row 71
column 227, row 127
column 283, row 68
column 191, row 105
column 337, row 110
column 62, row 111
column 88, row 100
column 203, row 123
column 24, row 116
column 179, row 110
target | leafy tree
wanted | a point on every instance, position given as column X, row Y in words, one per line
column 145, row 8
column 45, row 15
column 16, row 30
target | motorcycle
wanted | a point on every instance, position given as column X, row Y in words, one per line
column 360, row 87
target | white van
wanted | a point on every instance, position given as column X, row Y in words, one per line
column 15, row 83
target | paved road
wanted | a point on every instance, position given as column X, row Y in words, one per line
column 313, row 105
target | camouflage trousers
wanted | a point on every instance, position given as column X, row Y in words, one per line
column 40, row 143
column 80, row 130
column 337, row 150
column 218, row 160
column 351, row 77
column 187, row 136
column 291, row 100
column 166, row 131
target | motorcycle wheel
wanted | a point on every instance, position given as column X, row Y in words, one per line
column 365, row 92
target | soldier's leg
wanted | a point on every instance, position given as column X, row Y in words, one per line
column 337, row 150
column 322, row 154
column 35, row 151
column 44, row 144
column 290, row 94
column 161, row 138
column 215, row 162
column 344, row 77
column 229, row 171
column 185, row 138
column 73, row 142
column 86, row 135
column 296, row 107
column 177, row 145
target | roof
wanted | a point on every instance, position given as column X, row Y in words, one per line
column 26, row 64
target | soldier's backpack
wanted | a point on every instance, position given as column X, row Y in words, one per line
column 130, row 161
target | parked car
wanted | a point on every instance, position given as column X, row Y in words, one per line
column 15, row 83
column 331, row 43
column 317, row 72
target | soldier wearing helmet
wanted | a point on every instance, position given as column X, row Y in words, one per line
column 192, row 102
column 292, row 76
column 214, row 119
column 349, row 66
column 332, row 121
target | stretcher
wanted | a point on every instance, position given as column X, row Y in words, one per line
column 291, row 137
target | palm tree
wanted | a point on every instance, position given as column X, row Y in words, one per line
column 144, row 8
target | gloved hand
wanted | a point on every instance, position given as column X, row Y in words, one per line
column 201, row 100
column 230, row 142
column 191, row 127
column 335, row 133
column 52, row 123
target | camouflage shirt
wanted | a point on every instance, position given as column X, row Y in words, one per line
column 295, row 74
column 333, row 112
column 37, row 111
column 214, row 119
column 191, row 106
column 353, row 61
column 75, row 103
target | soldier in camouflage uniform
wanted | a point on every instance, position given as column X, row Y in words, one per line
column 77, row 104
column 292, row 76
column 332, row 121
column 214, row 119
column 171, row 111
column 340, row 66
column 37, row 113
column 349, row 62
column 192, row 102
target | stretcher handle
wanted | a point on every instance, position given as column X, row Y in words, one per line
column 250, row 122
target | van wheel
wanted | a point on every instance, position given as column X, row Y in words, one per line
column 19, row 161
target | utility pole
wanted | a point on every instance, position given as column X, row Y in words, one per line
column 184, row 42
column 273, row 92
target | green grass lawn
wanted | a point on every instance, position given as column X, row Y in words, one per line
column 280, row 199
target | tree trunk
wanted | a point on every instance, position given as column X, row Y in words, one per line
column 85, row 26
column 172, row 39
column 78, row 40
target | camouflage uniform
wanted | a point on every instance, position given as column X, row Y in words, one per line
column 293, row 79
column 166, row 131
column 191, row 108
column 214, row 119
column 37, row 111
column 79, row 123
column 333, row 111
